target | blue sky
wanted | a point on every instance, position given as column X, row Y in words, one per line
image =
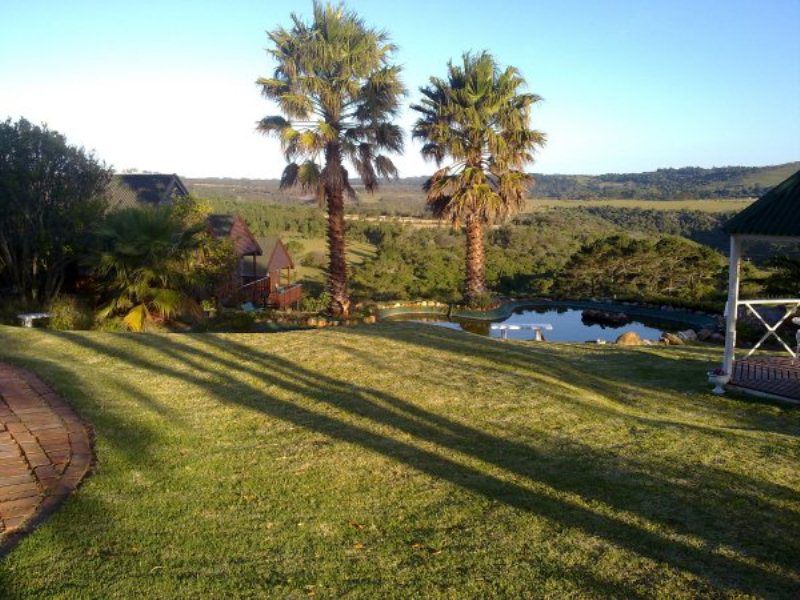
column 628, row 86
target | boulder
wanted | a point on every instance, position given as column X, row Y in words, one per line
column 716, row 338
column 688, row 335
column 629, row 338
column 670, row 339
column 704, row 334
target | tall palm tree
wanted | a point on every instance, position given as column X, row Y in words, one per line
column 338, row 91
column 480, row 119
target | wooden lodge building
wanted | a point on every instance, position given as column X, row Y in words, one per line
column 265, row 284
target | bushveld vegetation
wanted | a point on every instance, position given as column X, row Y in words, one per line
column 715, row 187
column 546, row 252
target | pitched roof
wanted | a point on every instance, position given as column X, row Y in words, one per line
column 776, row 213
column 277, row 255
column 234, row 227
column 139, row 189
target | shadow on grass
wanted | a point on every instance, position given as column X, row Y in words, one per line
column 690, row 522
column 657, row 378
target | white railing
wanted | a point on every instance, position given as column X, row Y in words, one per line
column 791, row 304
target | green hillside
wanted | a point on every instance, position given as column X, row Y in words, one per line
column 404, row 195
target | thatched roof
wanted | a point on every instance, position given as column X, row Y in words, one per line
column 775, row 214
column 144, row 189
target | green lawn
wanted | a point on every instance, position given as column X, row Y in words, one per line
column 406, row 461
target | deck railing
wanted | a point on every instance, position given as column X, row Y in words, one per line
column 259, row 292
column 286, row 296
column 791, row 304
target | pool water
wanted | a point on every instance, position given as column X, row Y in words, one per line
column 568, row 326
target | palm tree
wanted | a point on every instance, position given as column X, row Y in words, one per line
column 480, row 119
column 338, row 91
column 147, row 261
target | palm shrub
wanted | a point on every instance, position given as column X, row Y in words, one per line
column 338, row 92
column 479, row 119
column 150, row 264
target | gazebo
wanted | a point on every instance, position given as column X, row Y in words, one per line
column 774, row 218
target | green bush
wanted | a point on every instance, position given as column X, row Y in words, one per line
column 68, row 312
column 293, row 247
column 483, row 301
column 315, row 304
column 315, row 258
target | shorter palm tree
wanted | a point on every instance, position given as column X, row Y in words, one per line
column 479, row 118
column 147, row 260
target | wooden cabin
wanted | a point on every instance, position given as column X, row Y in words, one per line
column 265, row 282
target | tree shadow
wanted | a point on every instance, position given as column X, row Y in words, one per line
column 539, row 360
column 654, row 509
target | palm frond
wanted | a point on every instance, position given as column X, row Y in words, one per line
column 136, row 318
column 289, row 176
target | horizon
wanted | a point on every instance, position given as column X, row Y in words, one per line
column 634, row 89
column 534, row 173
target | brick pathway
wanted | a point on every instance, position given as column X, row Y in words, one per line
column 45, row 450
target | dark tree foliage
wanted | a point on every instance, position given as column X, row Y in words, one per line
column 666, row 267
column 785, row 278
column 699, row 226
column 51, row 193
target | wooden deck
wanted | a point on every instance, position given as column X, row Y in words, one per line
column 259, row 292
column 777, row 376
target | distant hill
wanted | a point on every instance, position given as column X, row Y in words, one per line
column 667, row 184
column 663, row 184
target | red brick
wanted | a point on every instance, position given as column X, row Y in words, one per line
column 21, row 490
column 21, row 507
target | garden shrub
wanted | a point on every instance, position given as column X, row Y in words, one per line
column 69, row 312
column 315, row 304
column 315, row 258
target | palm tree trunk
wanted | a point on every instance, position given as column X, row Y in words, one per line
column 334, row 196
column 476, row 261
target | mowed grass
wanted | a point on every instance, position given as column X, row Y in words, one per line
column 402, row 460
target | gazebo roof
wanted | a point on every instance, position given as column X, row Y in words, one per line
column 775, row 214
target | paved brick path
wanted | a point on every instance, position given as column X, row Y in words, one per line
column 45, row 450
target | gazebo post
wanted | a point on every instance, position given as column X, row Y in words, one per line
column 732, row 306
